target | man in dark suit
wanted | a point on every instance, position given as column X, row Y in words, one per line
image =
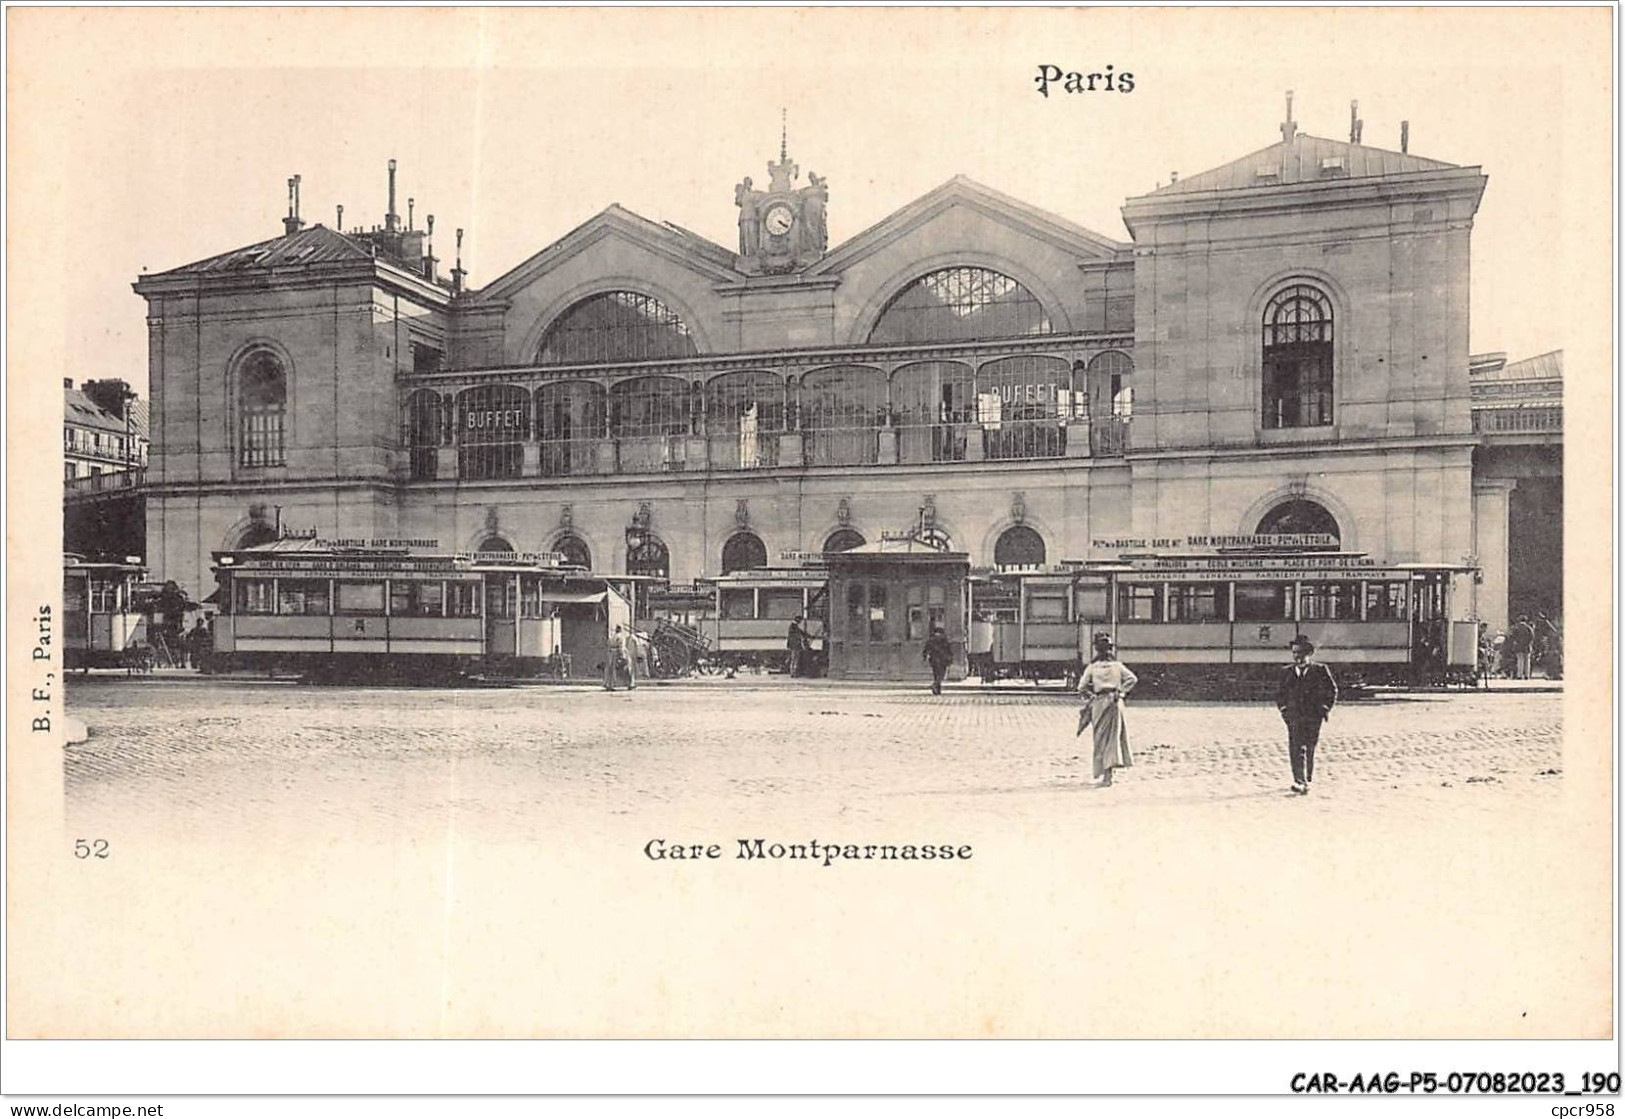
column 1305, row 695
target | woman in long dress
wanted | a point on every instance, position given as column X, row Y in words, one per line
column 1103, row 685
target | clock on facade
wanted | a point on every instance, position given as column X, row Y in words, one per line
column 779, row 219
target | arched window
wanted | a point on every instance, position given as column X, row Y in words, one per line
column 1297, row 358
column 494, row 543
column 932, row 401
column 615, row 326
column 744, row 414
column 257, row 533
column 649, row 557
column 1022, row 403
column 1018, row 546
column 843, row 540
column 744, row 551
column 842, row 410
column 1110, row 395
column 493, row 422
column 648, row 417
column 262, row 403
column 570, row 425
column 1299, row 516
column 953, row 304
column 574, row 550
column 428, row 426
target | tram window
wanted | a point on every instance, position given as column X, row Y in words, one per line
column 302, row 596
column 1048, row 607
column 738, row 603
column 360, row 598
column 463, row 599
column 854, row 607
column 103, row 596
column 500, row 597
column 254, row 596
column 1385, row 601
column 781, row 605
column 1092, row 604
column 73, row 596
column 1329, row 602
column 1197, row 602
column 1263, row 602
column 1430, row 599
column 916, row 613
column 1138, row 602
column 416, row 600
column 877, row 611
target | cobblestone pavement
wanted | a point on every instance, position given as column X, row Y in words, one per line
column 196, row 756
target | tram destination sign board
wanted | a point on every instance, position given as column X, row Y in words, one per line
column 1261, row 541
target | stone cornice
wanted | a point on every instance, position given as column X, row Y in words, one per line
column 296, row 277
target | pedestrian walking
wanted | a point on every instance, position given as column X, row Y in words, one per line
column 1305, row 696
column 618, row 662
column 939, row 654
column 1104, row 684
column 795, row 644
column 199, row 644
column 1522, row 640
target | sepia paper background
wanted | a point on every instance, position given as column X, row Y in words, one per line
column 1503, row 932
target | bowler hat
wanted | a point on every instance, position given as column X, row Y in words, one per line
column 1302, row 642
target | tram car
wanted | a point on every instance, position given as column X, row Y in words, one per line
column 742, row 620
column 323, row 609
column 101, row 625
column 1219, row 624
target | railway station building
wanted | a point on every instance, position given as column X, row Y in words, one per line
column 1280, row 347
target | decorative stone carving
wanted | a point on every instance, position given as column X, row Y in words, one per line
column 566, row 518
column 643, row 516
column 742, row 513
column 1018, row 508
column 493, row 520
column 782, row 229
column 843, row 512
column 928, row 512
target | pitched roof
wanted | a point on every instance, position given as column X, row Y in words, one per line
column 80, row 409
column 1541, row 367
column 1302, row 159
column 316, row 245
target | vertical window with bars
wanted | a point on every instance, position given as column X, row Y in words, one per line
column 493, row 423
column 262, row 401
column 842, row 410
column 428, row 427
column 1297, row 358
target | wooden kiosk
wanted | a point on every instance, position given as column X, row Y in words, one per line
column 883, row 600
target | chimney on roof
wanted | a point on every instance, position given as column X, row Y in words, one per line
column 1288, row 128
column 292, row 223
column 428, row 255
column 1404, row 136
column 391, row 219
column 67, row 382
column 457, row 273
column 1356, row 125
column 411, row 204
column 1173, row 177
column 340, row 224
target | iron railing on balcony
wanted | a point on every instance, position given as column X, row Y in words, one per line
column 107, row 482
column 1523, row 419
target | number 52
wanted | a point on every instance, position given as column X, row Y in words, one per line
column 88, row 848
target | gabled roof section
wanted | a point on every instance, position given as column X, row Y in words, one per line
column 1304, row 159
column 962, row 191
column 316, row 245
column 80, row 409
column 703, row 256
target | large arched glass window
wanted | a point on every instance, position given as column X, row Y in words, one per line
column 494, row 543
column 1297, row 358
column 953, row 304
column 932, row 401
column 616, row 326
column 843, row 540
column 493, row 422
column 570, row 425
column 262, row 404
column 428, row 427
column 744, row 415
column 1110, row 396
column 648, row 417
column 1019, row 546
column 842, row 410
column 1297, row 517
column 574, row 550
column 648, row 556
column 1022, row 403
column 744, row 551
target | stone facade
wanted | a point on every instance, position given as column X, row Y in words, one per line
column 1126, row 403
